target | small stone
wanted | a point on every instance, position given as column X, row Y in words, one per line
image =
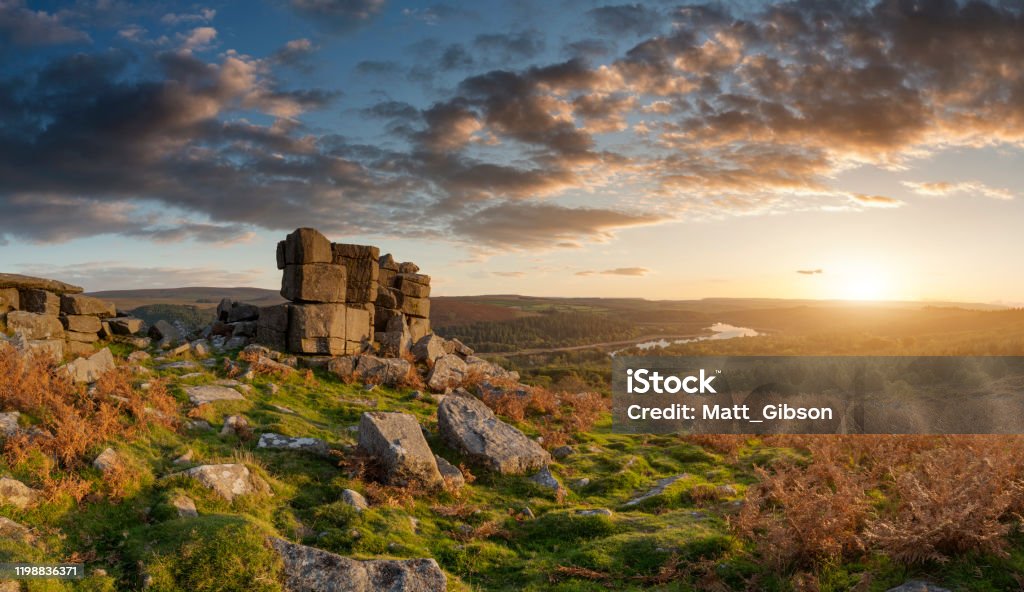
column 545, row 479
column 9, row 423
column 185, row 458
column 228, row 480
column 138, row 356
column 185, row 507
column 236, row 425
column 594, row 512
column 355, row 499
column 107, row 461
column 279, row 442
column 563, row 452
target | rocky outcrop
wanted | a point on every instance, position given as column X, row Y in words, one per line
column 307, row 569
column 394, row 443
column 470, row 426
column 341, row 300
column 45, row 312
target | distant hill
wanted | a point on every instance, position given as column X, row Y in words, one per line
column 200, row 297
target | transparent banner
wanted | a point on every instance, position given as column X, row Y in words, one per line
column 818, row 395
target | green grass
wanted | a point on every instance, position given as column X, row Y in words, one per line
column 140, row 537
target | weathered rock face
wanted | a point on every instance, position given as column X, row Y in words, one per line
column 272, row 326
column 126, row 325
column 469, row 425
column 231, row 311
column 92, row 368
column 25, row 282
column 314, row 282
column 83, row 324
column 449, row 371
column 165, row 334
column 327, row 329
column 386, row 371
column 229, row 480
column 34, row 325
column 428, row 348
column 308, row 569
column 77, row 304
column 40, row 302
column 395, row 443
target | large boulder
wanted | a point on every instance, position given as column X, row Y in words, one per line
column 77, row 304
column 449, row 371
column 314, row 282
column 126, row 325
column 307, row 569
column 305, row 245
column 272, row 327
column 228, row 480
column 35, row 326
column 231, row 311
column 394, row 443
column 386, row 371
column 327, row 329
column 428, row 349
column 470, row 426
column 40, row 302
column 165, row 334
column 92, row 368
column 82, row 324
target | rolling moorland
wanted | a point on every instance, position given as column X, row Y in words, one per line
column 629, row 512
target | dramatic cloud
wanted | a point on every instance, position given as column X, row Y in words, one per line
column 541, row 225
column 626, row 271
column 339, row 15
column 21, row 25
column 697, row 113
column 626, row 18
column 943, row 188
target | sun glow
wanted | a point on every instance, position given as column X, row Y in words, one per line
column 865, row 281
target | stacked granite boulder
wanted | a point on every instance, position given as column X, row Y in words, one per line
column 56, row 318
column 320, row 319
column 402, row 310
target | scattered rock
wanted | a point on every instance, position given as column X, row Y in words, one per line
column 92, row 368
column 235, row 425
column 16, row 493
column 658, row 489
column 454, row 346
column 917, row 586
column 470, row 426
column 450, row 473
column 581, row 483
column 9, row 423
column 279, row 442
column 307, row 569
column 200, row 348
column 200, row 395
column 125, row 325
column 199, row 425
column 185, row 506
column 449, row 371
column 165, row 334
column 355, row 499
column 428, row 349
column 594, row 512
column 186, row 458
column 228, row 480
column 395, row 443
column 181, row 365
column 563, row 452
column 108, row 460
column 386, row 371
column 12, row 530
column 545, row 479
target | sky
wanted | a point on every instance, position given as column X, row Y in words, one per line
column 807, row 149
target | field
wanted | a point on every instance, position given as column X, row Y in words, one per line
column 714, row 512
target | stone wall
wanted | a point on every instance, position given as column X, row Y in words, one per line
column 343, row 298
column 56, row 318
